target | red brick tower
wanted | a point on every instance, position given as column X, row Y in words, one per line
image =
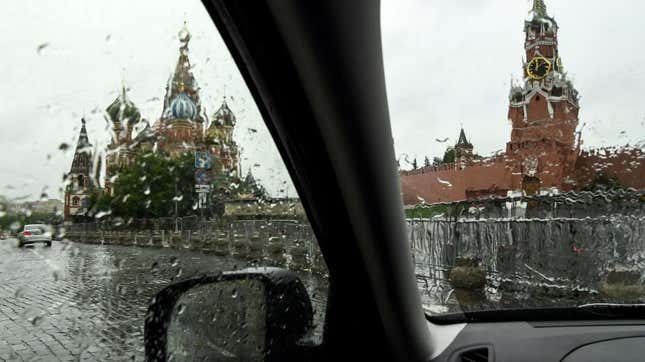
column 543, row 111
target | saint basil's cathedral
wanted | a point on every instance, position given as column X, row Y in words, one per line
column 183, row 127
column 544, row 152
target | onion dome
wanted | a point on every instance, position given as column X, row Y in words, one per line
column 183, row 107
column 224, row 115
column 123, row 110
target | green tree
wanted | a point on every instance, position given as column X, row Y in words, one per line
column 149, row 188
column 449, row 155
column 152, row 185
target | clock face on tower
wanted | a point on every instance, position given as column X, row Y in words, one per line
column 538, row 67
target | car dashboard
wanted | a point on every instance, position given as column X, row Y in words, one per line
column 567, row 341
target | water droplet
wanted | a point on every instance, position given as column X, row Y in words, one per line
column 174, row 261
column 234, row 293
column 444, row 182
column 37, row 320
column 181, row 309
column 20, row 292
column 41, row 47
column 101, row 214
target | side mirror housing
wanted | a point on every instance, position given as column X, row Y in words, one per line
column 249, row 315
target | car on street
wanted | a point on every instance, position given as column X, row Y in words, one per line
column 35, row 233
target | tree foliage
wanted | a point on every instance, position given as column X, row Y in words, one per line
column 150, row 187
column 154, row 184
column 449, row 155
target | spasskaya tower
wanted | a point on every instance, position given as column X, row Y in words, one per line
column 543, row 111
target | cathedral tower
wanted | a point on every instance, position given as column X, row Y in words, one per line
column 124, row 116
column 181, row 127
column 221, row 144
column 79, row 182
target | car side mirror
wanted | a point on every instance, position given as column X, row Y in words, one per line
column 250, row 315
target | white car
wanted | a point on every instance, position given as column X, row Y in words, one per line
column 35, row 233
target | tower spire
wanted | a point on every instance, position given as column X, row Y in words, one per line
column 462, row 137
column 539, row 8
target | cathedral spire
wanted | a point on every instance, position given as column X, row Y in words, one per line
column 83, row 154
column 539, row 8
column 83, row 140
column 182, row 84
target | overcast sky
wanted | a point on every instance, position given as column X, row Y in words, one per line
column 447, row 63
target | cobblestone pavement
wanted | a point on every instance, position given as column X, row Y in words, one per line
column 84, row 302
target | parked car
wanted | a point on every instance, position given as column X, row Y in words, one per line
column 35, row 233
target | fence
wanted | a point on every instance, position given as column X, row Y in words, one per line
column 568, row 241
column 567, row 252
column 287, row 243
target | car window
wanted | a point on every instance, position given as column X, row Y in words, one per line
column 519, row 139
column 128, row 130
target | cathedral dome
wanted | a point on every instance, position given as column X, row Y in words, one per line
column 183, row 107
column 123, row 110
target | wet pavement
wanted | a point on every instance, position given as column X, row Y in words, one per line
column 78, row 301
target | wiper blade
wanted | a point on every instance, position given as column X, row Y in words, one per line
column 633, row 310
column 611, row 305
column 591, row 311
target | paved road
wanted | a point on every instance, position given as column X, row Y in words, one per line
column 87, row 302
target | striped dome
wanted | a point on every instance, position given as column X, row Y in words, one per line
column 183, row 107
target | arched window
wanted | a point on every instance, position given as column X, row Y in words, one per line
column 81, row 181
column 75, row 200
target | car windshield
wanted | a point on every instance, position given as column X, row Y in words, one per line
column 519, row 138
column 127, row 128
column 34, row 227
